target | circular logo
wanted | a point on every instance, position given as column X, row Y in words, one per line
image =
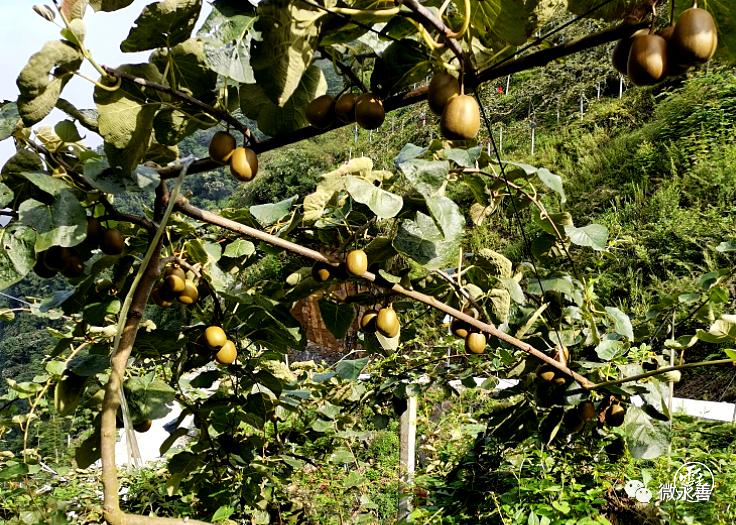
column 693, row 477
column 632, row 486
column 643, row 495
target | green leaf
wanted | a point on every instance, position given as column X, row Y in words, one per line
column 223, row 513
column 171, row 439
column 647, row 438
column 726, row 246
column 609, row 349
column 239, row 248
column 553, row 182
column 17, row 255
column 12, row 470
column 109, row 5
column 227, row 39
column 151, row 395
column 621, row 322
column 63, row 223
column 337, row 317
column 68, row 393
column 614, row 10
column 381, row 202
column 501, row 22
column 403, row 63
column 163, row 24
column 42, row 79
column 289, row 33
column 593, row 235
column 89, row 450
column 350, row 368
column 428, row 177
column 67, row 131
column 9, row 119
column 191, row 73
column 464, row 157
column 514, row 289
column 100, row 175
column 268, row 214
column 421, row 240
column 46, row 183
column 6, row 195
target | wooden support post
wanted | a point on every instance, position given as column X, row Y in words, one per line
column 500, row 141
column 534, row 136
column 620, row 86
column 508, row 84
column 407, row 456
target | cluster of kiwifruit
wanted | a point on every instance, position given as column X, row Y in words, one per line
column 216, row 341
column 459, row 113
column 70, row 261
column 366, row 109
column 175, row 286
column 356, row 263
column 243, row 161
column 475, row 341
column 385, row 321
column 648, row 57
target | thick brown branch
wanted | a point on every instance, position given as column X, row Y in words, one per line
column 217, row 220
column 214, row 112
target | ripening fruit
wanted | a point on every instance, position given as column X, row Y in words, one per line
column 461, row 118
column 475, row 342
column 175, row 270
column 357, row 262
column 615, row 415
column 387, row 322
column 74, row 266
column 42, row 270
column 546, row 373
column 442, row 88
column 244, row 164
column 647, row 63
column 175, row 283
column 587, row 410
column 695, row 38
column 190, row 293
column 112, row 242
column 368, row 321
column 321, row 272
column 369, row 113
column 227, row 353
column 94, row 230
column 320, row 112
column 222, row 146
column 143, row 426
column 620, row 55
column 345, row 107
column 215, row 337
column 160, row 298
column 459, row 328
column 674, row 68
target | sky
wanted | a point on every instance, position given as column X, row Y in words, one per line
column 28, row 32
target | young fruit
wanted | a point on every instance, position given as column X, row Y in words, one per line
column 190, row 293
column 227, row 354
column 320, row 112
column 475, row 342
column 695, row 38
column 178, row 271
column 546, row 373
column 387, row 322
column 143, row 426
column 345, row 107
column 620, row 55
column 368, row 321
column 442, row 88
column 357, row 262
column 175, row 283
column 614, row 415
column 647, row 63
column 160, row 298
column 321, row 272
column 461, row 118
column 215, row 337
column 112, row 242
column 459, row 328
column 55, row 258
column 222, row 146
column 369, row 113
column 587, row 410
column 244, row 164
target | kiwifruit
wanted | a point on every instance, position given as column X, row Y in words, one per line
column 159, row 299
column 357, row 262
column 620, row 55
column 475, row 343
column 244, row 164
column 143, row 426
column 674, row 68
column 461, row 118
column 587, row 410
column 74, row 266
column 615, row 415
column 459, row 328
column 368, row 320
column 175, row 283
column 695, row 38
column 42, row 270
column 222, row 146
column 112, row 242
column 345, row 107
column 55, row 258
column 214, row 336
column 321, row 272
column 190, row 293
column 387, row 322
column 647, row 63
column 572, row 421
column 227, row 354
column 546, row 373
column 320, row 112
column 369, row 113
column 94, row 230
column 442, row 88
column 175, row 270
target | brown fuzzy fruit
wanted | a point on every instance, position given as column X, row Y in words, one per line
column 647, row 60
column 442, row 88
column 615, row 415
column 112, row 242
column 42, row 270
column 460, row 118
column 159, row 298
column 387, row 322
column 546, row 373
column 345, row 107
column 190, row 293
column 215, row 337
column 695, row 38
column 244, row 164
column 620, row 55
column 587, row 410
column 357, row 262
column 572, row 421
column 475, row 343
column 674, row 68
column 175, row 283
column 369, row 113
column 227, row 354
column 222, row 146
column 320, row 112
column 459, row 328
column 321, row 272
column 368, row 320
column 74, row 266
column 175, row 270
column 94, row 230
column 143, row 426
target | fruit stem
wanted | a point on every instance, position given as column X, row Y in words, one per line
column 466, row 23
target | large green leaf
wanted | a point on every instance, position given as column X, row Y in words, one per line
column 100, row 175
column 501, row 22
column 151, row 395
column 289, row 32
column 337, row 317
column 17, row 255
column 163, row 24
column 44, row 76
column 421, row 240
column 126, row 117
column 268, row 214
column 9, row 119
column 593, row 235
column 63, row 223
column 275, row 120
column 331, row 184
column 188, row 69
column 381, row 202
column 621, row 322
column 402, row 64
column 6, row 195
column 227, row 38
column 647, row 438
